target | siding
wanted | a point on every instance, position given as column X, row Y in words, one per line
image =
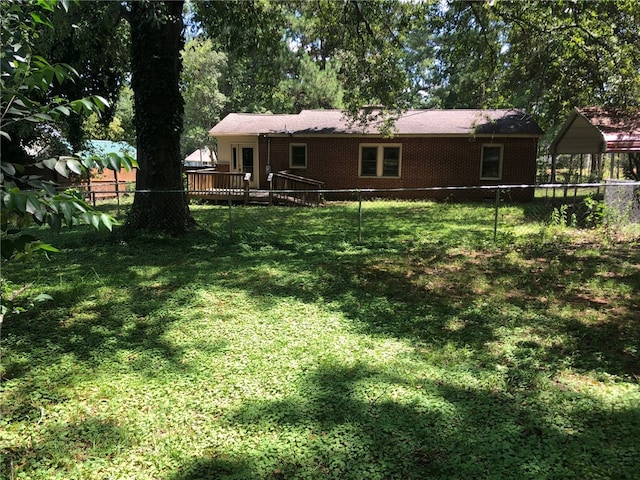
column 426, row 162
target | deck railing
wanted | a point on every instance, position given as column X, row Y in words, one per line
column 284, row 187
column 294, row 189
column 208, row 183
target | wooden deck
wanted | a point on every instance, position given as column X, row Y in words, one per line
column 285, row 188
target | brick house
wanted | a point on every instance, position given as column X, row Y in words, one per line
column 426, row 148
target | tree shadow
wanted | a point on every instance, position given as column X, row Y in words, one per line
column 335, row 426
column 64, row 447
column 346, row 422
column 438, row 298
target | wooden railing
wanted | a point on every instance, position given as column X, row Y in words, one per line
column 294, row 189
column 284, row 187
column 208, row 183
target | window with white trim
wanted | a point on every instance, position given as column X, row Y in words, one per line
column 491, row 166
column 380, row 160
column 298, row 155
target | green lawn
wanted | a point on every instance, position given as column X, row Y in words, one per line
column 293, row 351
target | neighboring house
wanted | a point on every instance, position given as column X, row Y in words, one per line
column 427, row 148
column 109, row 183
column 201, row 158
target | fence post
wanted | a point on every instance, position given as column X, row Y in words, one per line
column 92, row 195
column 230, row 220
column 247, row 178
column 359, row 217
column 115, row 176
column 495, row 217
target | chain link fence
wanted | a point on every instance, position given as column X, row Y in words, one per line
column 584, row 205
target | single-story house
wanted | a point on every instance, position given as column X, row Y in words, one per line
column 426, row 148
column 201, row 158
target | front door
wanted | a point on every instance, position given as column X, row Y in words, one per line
column 246, row 162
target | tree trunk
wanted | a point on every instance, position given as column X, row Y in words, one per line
column 160, row 203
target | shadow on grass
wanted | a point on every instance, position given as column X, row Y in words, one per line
column 401, row 288
column 431, row 293
column 346, row 423
column 61, row 447
column 437, row 299
column 111, row 305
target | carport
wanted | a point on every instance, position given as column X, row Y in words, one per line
column 593, row 132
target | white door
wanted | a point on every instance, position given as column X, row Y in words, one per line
column 244, row 160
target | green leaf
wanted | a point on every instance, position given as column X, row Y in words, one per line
column 46, row 247
column 114, row 161
column 41, row 20
column 64, row 110
column 50, row 163
column 95, row 221
column 32, row 204
column 86, row 104
column 61, row 168
column 8, row 168
column 74, row 165
column 125, row 162
column 43, row 297
column 47, row 4
column 54, row 222
column 66, row 208
column 107, row 221
column 49, row 187
column 60, row 73
column 19, row 201
column 100, row 102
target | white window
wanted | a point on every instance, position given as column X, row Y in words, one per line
column 491, row 166
column 380, row 160
column 298, row 155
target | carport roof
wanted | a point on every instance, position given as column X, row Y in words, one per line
column 599, row 130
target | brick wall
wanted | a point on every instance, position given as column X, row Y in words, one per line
column 425, row 162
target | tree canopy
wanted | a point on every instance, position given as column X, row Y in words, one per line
column 203, row 68
column 546, row 57
column 31, row 108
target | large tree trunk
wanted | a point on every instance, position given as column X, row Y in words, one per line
column 160, row 203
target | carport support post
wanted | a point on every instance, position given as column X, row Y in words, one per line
column 495, row 217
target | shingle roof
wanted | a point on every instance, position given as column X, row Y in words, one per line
column 412, row 122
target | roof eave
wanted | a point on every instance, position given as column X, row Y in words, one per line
column 378, row 135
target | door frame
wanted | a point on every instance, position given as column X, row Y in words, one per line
column 236, row 163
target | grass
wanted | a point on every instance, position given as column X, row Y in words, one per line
column 294, row 351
